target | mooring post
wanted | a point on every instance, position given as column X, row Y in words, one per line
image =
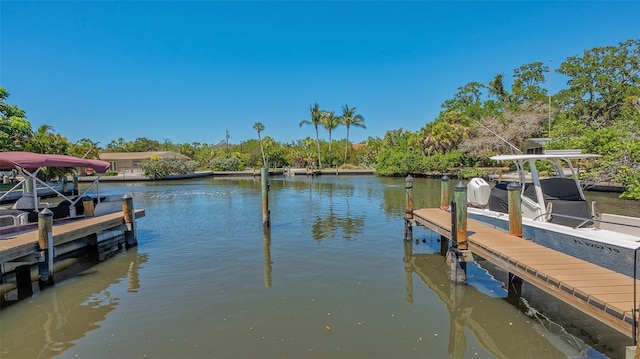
column 89, row 208
column 264, row 174
column 515, row 209
column 408, row 228
column 23, row 281
column 444, row 192
column 45, row 244
column 514, row 291
column 75, row 185
column 130, row 236
column 64, row 184
column 458, row 255
column 444, row 245
column 460, row 194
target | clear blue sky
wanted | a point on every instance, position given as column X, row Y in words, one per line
column 186, row 71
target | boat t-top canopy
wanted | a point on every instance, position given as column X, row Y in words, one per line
column 32, row 161
column 544, row 156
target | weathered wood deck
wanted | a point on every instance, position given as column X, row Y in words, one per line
column 599, row 292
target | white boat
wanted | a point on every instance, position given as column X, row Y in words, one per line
column 556, row 214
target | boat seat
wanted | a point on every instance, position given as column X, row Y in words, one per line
column 8, row 217
column 570, row 208
column 499, row 197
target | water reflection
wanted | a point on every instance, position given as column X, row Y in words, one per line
column 337, row 219
column 67, row 311
column 502, row 330
column 268, row 264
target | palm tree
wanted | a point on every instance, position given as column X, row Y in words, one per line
column 316, row 120
column 350, row 118
column 330, row 122
column 259, row 127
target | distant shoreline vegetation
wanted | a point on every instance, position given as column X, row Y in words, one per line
column 598, row 111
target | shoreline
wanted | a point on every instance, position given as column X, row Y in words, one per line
column 508, row 176
column 245, row 173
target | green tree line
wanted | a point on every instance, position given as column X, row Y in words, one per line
column 597, row 110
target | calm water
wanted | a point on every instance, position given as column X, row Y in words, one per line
column 333, row 278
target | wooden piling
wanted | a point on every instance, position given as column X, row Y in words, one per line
column 75, row 185
column 23, row 281
column 409, row 197
column 454, row 232
column 408, row 225
column 514, row 290
column 444, row 192
column 460, row 195
column 515, row 209
column 131, row 238
column 45, row 244
column 266, row 221
column 89, row 208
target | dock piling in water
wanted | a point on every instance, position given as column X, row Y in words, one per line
column 458, row 254
column 75, row 185
column 460, row 195
column 23, row 281
column 408, row 216
column 131, row 238
column 89, row 207
column 264, row 175
column 515, row 209
column 444, row 192
column 409, row 197
column 45, row 244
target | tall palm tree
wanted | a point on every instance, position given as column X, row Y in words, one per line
column 350, row 118
column 330, row 122
column 316, row 120
column 259, row 127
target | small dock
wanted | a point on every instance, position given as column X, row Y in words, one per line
column 26, row 244
column 31, row 253
column 607, row 296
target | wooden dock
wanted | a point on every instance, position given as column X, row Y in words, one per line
column 26, row 244
column 605, row 295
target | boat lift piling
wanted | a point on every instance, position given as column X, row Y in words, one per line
column 444, row 192
column 88, row 206
column 131, row 238
column 514, row 204
column 45, row 244
column 264, row 176
column 459, row 254
column 408, row 214
column 75, row 185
